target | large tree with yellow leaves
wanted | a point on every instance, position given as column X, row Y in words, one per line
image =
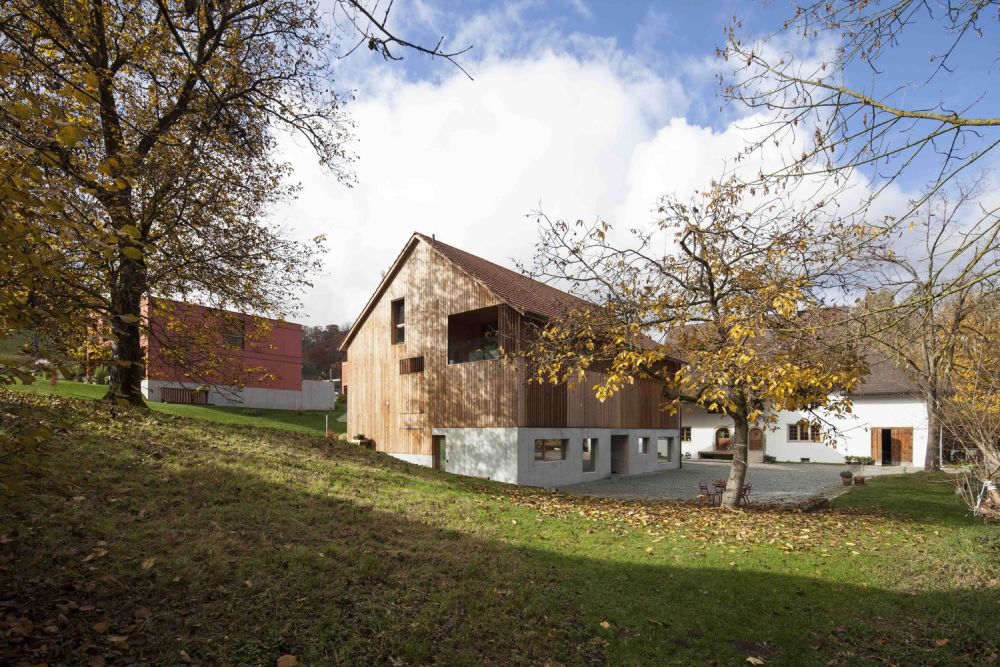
column 137, row 154
column 734, row 284
column 147, row 131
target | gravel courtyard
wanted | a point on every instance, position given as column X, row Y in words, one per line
column 773, row 483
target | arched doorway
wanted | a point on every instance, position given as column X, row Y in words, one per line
column 756, row 438
column 723, row 438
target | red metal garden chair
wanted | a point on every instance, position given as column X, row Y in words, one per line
column 714, row 495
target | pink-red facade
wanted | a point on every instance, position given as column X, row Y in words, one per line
column 188, row 343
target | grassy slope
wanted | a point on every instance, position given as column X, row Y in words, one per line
column 310, row 421
column 238, row 545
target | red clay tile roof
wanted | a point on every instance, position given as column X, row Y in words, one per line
column 520, row 291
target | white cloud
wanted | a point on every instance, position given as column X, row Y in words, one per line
column 587, row 135
column 467, row 160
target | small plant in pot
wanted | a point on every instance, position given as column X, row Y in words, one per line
column 847, row 477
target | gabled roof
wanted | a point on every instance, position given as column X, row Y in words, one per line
column 527, row 295
column 886, row 379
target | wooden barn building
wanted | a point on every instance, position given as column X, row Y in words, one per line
column 428, row 382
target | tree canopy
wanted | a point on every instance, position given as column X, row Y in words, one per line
column 732, row 284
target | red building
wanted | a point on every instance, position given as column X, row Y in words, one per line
column 197, row 354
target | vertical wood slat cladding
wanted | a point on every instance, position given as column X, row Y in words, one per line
column 545, row 404
column 634, row 406
column 398, row 411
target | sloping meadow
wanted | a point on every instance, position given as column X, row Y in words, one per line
column 153, row 539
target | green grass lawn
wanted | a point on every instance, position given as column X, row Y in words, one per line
column 308, row 421
column 165, row 540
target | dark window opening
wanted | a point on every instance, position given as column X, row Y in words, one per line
column 398, row 321
column 473, row 336
column 411, row 365
column 234, row 332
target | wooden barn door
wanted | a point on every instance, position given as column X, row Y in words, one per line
column 902, row 446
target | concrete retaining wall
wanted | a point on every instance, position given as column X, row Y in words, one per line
column 315, row 395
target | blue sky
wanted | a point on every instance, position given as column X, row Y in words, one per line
column 579, row 108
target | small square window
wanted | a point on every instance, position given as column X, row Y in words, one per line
column 685, row 434
column 551, row 449
column 234, row 332
column 589, row 454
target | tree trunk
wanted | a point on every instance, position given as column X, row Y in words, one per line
column 932, row 459
column 128, row 368
column 738, row 471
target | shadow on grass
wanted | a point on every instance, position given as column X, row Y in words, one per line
column 238, row 557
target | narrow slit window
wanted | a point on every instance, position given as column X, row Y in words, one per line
column 398, row 321
column 589, row 454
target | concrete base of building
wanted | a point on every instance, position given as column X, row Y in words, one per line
column 313, row 396
column 508, row 454
column 419, row 459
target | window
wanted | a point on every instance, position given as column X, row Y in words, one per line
column 551, row 449
column 685, row 434
column 474, row 336
column 644, row 445
column 398, row 321
column 664, row 448
column 589, row 454
column 411, row 365
column 234, row 332
column 804, row 432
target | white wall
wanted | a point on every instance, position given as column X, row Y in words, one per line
column 853, row 435
column 316, row 395
column 481, row 452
